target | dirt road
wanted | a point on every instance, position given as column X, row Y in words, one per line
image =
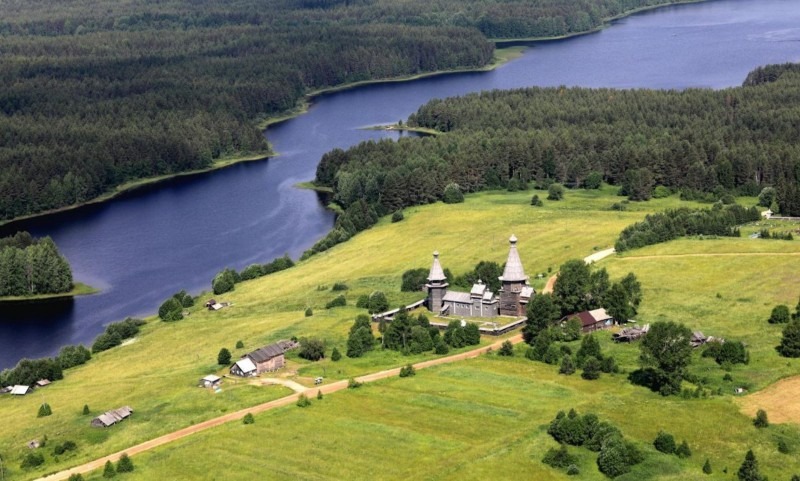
column 284, row 401
column 548, row 288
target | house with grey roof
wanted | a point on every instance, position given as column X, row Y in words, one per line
column 265, row 359
column 515, row 293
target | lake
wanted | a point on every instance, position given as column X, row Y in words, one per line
column 146, row 245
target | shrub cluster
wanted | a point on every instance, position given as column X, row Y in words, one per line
column 408, row 371
column 338, row 301
column 671, row 224
column 616, row 456
column 172, row 308
column 115, row 333
column 727, row 353
column 360, row 340
column 226, row 280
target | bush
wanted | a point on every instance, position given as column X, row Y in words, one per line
column 32, row 460
column 506, row 349
column 224, row 356
column 303, row 401
column 397, row 216
column 441, row 347
column 124, row 465
column 617, row 456
column 75, row 477
column 353, row 384
column 408, row 371
column 108, row 470
column 707, row 467
column 64, row 447
column 761, row 420
column 783, row 448
column 377, row 302
column 85, row 409
column 452, row 194
column 338, row 301
column 779, row 315
column 593, row 180
column 336, row 355
column 559, row 457
column 573, row 470
column 414, row 280
column 362, row 302
column 664, row 443
column 71, row 356
column 312, row 349
column 567, row 366
column 790, row 340
column 339, row 286
column 555, row 192
column 683, row 450
column 115, row 333
column 591, row 369
column 44, row 410
column 248, row 419
column 239, row 344
column 536, row 201
column 224, row 282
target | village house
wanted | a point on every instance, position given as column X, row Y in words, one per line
column 514, row 295
column 109, row 418
column 593, row 320
column 265, row 359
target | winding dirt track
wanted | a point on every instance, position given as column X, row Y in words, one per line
column 284, row 401
column 548, row 288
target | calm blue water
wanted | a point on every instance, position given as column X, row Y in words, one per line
column 141, row 248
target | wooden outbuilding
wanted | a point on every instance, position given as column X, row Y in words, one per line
column 42, row 382
column 109, row 418
column 210, row 381
column 20, row 390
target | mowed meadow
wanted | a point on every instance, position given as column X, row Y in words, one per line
column 475, row 419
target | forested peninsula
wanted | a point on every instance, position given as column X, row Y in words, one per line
column 704, row 143
column 99, row 93
column 32, row 267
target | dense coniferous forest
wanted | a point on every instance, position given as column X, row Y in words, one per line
column 31, row 266
column 97, row 93
column 704, row 143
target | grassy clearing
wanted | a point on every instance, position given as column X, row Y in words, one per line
column 157, row 374
column 484, row 418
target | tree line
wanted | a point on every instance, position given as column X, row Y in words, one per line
column 31, row 266
column 702, row 143
column 100, row 93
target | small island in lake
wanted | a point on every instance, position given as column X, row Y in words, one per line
column 34, row 269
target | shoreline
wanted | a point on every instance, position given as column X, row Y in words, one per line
column 502, row 56
column 135, row 184
column 78, row 289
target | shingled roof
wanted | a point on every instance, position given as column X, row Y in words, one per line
column 436, row 274
column 266, row 353
column 513, row 271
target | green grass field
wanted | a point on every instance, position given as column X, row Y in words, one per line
column 466, row 420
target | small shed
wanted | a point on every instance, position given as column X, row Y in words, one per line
column 42, row 382
column 593, row 320
column 109, row 418
column 20, row 390
column 210, row 381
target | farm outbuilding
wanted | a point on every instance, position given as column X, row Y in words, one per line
column 20, row 390
column 109, row 418
column 593, row 320
column 210, row 381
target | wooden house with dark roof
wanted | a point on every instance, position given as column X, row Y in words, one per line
column 265, row 359
column 593, row 320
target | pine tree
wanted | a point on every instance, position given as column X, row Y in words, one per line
column 748, row 471
column 567, row 366
column 44, row 410
column 85, row 409
column 124, row 465
column 707, row 467
column 108, row 471
column 224, row 356
column 335, row 355
column 761, row 420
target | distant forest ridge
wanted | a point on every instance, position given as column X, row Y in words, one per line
column 98, row 92
column 705, row 143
